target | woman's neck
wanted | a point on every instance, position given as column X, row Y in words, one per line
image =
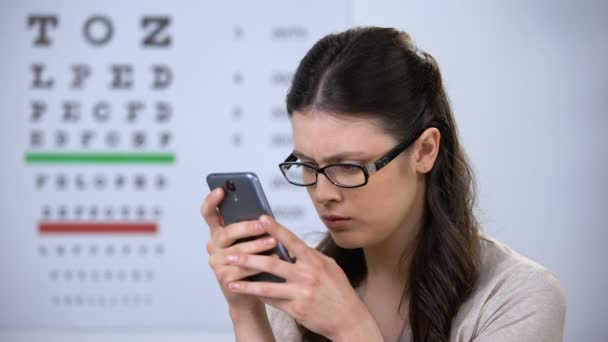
column 392, row 257
column 388, row 262
column 382, row 289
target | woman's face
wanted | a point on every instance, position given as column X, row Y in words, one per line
column 386, row 207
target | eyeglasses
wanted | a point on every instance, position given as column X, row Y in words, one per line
column 345, row 175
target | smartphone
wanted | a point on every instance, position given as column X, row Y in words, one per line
column 244, row 200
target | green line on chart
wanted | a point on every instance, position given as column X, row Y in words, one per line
column 99, row 158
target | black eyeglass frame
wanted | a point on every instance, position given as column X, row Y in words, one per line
column 368, row 169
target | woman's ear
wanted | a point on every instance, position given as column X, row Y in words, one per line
column 426, row 150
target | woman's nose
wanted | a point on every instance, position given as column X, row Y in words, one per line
column 325, row 191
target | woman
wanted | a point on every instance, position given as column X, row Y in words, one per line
column 376, row 145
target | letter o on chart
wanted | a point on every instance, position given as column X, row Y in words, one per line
column 98, row 30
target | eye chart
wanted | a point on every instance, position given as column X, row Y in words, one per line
column 112, row 114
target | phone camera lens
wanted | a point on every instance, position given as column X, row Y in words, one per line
column 230, row 186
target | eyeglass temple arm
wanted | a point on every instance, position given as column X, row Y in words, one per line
column 388, row 157
column 290, row 158
column 394, row 153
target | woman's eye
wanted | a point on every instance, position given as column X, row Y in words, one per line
column 349, row 168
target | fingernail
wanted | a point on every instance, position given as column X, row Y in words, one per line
column 269, row 241
column 265, row 220
column 234, row 285
column 217, row 192
column 233, row 258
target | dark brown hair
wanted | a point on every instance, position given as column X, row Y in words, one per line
column 379, row 73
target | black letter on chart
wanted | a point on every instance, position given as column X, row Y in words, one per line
column 86, row 137
column 165, row 139
column 38, row 109
column 41, row 181
column 158, row 25
column 162, row 77
column 38, row 69
column 112, row 139
column 61, row 138
column 132, row 110
column 101, row 112
column 42, row 20
column 118, row 70
column 81, row 72
column 163, row 112
column 139, row 139
column 71, row 111
column 105, row 23
column 36, row 139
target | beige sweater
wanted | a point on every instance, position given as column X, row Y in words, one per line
column 516, row 299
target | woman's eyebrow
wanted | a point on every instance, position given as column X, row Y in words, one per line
column 333, row 158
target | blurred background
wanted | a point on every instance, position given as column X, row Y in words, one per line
column 112, row 113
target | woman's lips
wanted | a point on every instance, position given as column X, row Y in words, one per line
column 336, row 221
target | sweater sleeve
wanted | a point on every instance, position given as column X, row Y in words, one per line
column 283, row 326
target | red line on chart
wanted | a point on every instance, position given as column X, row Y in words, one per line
column 97, row 228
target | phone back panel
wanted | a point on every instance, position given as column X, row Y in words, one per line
column 245, row 201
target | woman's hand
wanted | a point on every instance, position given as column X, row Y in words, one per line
column 220, row 246
column 316, row 293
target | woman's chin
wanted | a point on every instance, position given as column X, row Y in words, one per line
column 346, row 242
